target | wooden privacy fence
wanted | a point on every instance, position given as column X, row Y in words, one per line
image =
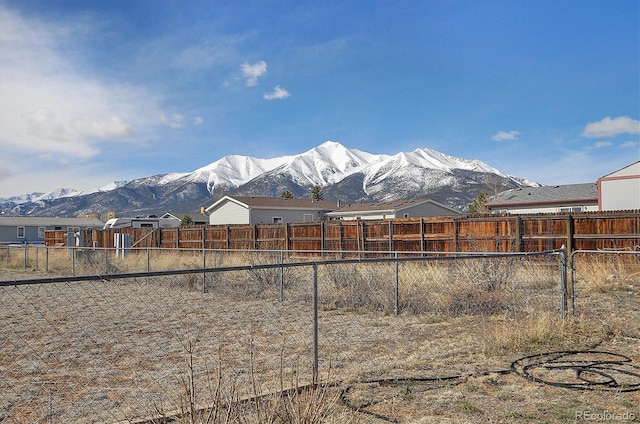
column 523, row 233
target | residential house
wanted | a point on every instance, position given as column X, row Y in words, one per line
column 264, row 210
column 31, row 229
column 569, row 198
column 620, row 190
column 395, row 209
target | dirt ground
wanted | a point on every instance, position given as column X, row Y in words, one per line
column 120, row 351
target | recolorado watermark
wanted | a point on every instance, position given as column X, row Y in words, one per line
column 605, row 416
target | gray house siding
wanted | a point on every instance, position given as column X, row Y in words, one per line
column 30, row 230
column 33, row 235
column 399, row 209
column 266, row 216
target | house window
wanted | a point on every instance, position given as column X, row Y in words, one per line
column 20, row 232
column 41, row 232
column 307, row 217
column 277, row 219
column 573, row 209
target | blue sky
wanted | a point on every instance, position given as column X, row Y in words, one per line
column 96, row 91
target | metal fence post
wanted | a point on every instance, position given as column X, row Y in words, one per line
column 46, row 259
column 573, row 285
column 315, row 323
column 26, row 247
column 396, row 306
column 281, row 276
column 204, row 264
column 563, row 281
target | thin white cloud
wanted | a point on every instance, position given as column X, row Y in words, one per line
column 251, row 73
column 174, row 121
column 505, row 136
column 197, row 120
column 278, row 93
column 609, row 127
column 601, row 144
column 628, row 145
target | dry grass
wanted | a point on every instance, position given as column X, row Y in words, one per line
column 172, row 350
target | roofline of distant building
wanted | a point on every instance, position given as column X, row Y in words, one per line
column 543, row 202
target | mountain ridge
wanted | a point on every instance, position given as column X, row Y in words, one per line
column 344, row 174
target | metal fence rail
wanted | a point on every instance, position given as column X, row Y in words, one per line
column 108, row 346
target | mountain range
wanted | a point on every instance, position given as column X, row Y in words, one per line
column 345, row 175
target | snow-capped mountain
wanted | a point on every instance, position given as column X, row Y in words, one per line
column 344, row 174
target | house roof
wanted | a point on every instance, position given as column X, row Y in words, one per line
column 38, row 221
column 195, row 216
column 390, row 207
column 274, row 202
column 569, row 193
column 631, row 169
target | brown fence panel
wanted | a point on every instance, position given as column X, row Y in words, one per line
column 333, row 236
column 487, row 235
column 440, row 235
column 169, row 238
column 375, row 236
column 242, row 237
column 306, row 236
column 216, row 237
column 55, row 238
column 272, row 237
column 528, row 233
column 602, row 232
column 544, row 233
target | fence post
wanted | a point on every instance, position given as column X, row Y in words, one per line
column 518, row 223
column 422, row 236
column 26, row 259
column 396, row 306
column 563, row 282
column 573, row 286
column 46, row 259
column 281, row 276
column 204, row 264
column 315, row 323
column 391, row 238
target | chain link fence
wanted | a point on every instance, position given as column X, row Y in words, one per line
column 105, row 348
column 603, row 289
